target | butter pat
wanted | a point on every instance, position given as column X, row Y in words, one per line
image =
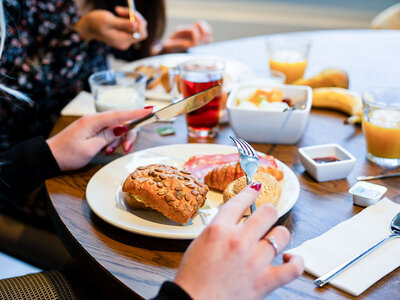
column 366, row 194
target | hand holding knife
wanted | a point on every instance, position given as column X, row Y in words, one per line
column 183, row 106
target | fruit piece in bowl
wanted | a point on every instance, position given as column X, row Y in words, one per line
column 262, row 98
column 270, row 121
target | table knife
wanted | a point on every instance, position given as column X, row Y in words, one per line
column 378, row 176
column 183, row 106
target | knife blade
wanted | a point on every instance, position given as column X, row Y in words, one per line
column 359, row 178
column 183, row 106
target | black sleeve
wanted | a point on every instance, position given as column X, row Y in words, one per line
column 170, row 290
column 25, row 166
column 129, row 55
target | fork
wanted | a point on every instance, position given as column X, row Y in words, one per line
column 248, row 161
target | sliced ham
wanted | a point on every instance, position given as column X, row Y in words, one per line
column 200, row 165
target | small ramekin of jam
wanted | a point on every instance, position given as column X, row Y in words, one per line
column 325, row 159
column 327, row 162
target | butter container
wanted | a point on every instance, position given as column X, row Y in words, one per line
column 365, row 193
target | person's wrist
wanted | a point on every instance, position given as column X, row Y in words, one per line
column 156, row 48
column 179, row 281
column 53, row 148
column 82, row 29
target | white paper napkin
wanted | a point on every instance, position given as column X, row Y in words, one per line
column 349, row 238
column 83, row 104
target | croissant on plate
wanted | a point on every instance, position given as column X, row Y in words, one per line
column 219, row 177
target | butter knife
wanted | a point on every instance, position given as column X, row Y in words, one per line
column 183, row 106
column 378, row 176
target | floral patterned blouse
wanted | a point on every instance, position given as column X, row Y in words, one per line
column 45, row 59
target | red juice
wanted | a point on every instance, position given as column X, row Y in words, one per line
column 205, row 118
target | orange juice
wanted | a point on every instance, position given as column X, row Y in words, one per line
column 382, row 133
column 290, row 62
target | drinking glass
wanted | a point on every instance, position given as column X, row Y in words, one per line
column 381, row 125
column 117, row 90
column 264, row 77
column 192, row 77
column 288, row 55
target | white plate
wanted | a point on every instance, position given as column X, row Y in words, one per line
column 234, row 70
column 104, row 196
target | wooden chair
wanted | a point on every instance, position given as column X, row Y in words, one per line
column 38, row 286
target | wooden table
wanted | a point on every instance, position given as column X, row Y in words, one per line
column 128, row 265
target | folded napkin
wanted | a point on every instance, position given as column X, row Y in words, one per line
column 348, row 239
column 83, row 104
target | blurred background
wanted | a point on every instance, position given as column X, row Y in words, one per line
column 232, row 19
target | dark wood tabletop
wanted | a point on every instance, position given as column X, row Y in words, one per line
column 128, row 265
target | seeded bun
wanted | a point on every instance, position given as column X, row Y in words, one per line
column 270, row 189
column 176, row 194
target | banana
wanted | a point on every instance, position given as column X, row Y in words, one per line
column 326, row 78
column 348, row 102
column 354, row 119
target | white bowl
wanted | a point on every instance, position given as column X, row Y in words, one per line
column 272, row 127
column 366, row 194
column 331, row 170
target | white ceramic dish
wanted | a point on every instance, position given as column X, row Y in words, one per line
column 366, row 194
column 234, row 70
column 272, row 127
column 105, row 199
column 331, row 170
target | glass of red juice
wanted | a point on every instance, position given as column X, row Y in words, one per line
column 196, row 76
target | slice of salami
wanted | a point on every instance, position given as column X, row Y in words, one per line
column 200, row 165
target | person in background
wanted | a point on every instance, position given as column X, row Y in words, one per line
column 182, row 38
column 54, row 46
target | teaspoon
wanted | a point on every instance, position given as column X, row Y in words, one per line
column 299, row 105
column 394, row 227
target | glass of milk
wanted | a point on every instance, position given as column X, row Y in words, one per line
column 117, row 90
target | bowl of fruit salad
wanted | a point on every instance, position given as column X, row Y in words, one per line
column 273, row 114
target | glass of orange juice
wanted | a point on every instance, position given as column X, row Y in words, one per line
column 288, row 55
column 381, row 125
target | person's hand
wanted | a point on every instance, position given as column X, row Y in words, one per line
column 232, row 260
column 186, row 36
column 78, row 143
column 115, row 31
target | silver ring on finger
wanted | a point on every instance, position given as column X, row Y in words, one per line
column 272, row 241
column 136, row 35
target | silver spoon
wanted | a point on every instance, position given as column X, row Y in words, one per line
column 394, row 227
column 298, row 105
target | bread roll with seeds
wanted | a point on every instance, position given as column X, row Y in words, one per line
column 176, row 194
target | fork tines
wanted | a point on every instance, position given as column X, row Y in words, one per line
column 244, row 146
column 248, row 161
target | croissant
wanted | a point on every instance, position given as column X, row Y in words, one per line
column 222, row 175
